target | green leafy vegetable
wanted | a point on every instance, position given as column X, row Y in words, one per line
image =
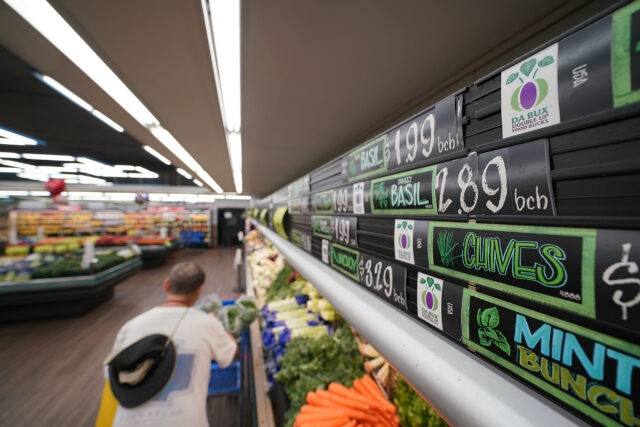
column 309, row 364
column 413, row 410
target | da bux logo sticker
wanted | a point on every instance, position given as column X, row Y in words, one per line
column 403, row 240
column 530, row 94
column 430, row 299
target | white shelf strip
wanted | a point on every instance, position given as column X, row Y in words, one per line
column 464, row 389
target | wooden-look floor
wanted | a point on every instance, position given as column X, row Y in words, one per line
column 51, row 370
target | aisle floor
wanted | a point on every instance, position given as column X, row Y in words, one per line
column 51, row 370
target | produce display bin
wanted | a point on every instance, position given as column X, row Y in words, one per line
column 64, row 296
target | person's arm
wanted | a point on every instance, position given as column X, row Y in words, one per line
column 223, row 345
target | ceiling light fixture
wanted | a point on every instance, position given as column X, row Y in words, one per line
column 10, row 170
column 8, row 155
column 157, row 155
column 198, row 183
column 9, row 137
column 51, row 157
column 222, row 24
column 46, row 20
column 57, row 86
column 184, row 173
column 14, row 164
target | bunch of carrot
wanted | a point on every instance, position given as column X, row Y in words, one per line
column 363, row 405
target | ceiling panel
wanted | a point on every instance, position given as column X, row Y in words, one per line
column 318, row 74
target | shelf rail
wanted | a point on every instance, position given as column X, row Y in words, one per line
column 464, row 389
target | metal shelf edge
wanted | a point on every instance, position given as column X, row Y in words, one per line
column 464, row 389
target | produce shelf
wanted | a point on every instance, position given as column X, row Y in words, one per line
column 63, row 296
column 464, row 389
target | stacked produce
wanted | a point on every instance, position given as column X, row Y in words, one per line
column 412, row 409
column 265, row 264
column 363, row 404
column 236, row 317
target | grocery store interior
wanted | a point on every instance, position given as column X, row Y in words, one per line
column 319, row 213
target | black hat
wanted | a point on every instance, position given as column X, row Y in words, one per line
column 141, row 371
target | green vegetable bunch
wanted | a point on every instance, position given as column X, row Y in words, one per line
column 281, row 288
column 309, row 364
column 413, row 410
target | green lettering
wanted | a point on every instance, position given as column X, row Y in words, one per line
column 482, row 253
column 502, row 258
column 469, row 242
column 394, row 195
column 409, row 194
column 554, row 378
column 520, row 271
column 552, row 255
column 627, row 414
column 528, row 359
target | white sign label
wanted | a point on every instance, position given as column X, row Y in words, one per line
column 430, row 299
column 358, row 198
column 403, row 240
column 325, row 251
column 88, row 254
column 529, row 93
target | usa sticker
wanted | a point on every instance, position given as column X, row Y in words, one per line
column 430, row 299
column 529, row 94
column 325, row 251
column 358, row 198
column 403, row 240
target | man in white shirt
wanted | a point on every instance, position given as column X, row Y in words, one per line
column 199, row 338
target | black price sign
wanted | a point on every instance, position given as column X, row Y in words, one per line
column 551, row 265
column 321, row 226
column 322, row 202
column 344, row 230
column 588, row 371
column 385, row 279
column 404, row 193
column 366, row 160
column 457, row 186
column 345, row 260
column 343, row 200
column 425, row 138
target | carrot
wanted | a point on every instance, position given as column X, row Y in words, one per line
column 328, row 415
column 337, row 400
column 336, row 412
column 362, row 389
column 315, row 400
column 348, row 393
column 373, row 388
column 351, row 423
column 305, row 409
column 326, row 423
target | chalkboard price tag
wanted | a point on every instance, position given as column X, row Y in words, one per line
column 404, row 193
column 457, row 187
column 321, row 225
column 343, row 200
column 425, row 138
column 344, row 230
column 385, row 279
column 322, row 202
column 345, row 260
column 366, row 160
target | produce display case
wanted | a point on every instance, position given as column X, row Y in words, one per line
column 193, row 227
column 61, row 296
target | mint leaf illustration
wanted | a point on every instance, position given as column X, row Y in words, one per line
column 438, row 287
column 491, row 334
column 512, row 78
column 483, row 338
column 422, row 281
column 503, row 344
column 478, row 316
column 547, row 60
column 491, row 317
column 528, row 66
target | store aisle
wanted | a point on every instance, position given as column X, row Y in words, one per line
column 51, row 370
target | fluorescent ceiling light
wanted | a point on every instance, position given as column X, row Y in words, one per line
column 8, row 137
column 157, row 155
column 8, row 155
column 55, row 85
column 198, row 183
column 10, row 170
column 44, row 18
column 125, row 167
column 17, row 164
column 184, row 173
column 14, row 193
column 223, row 37
column 52, row 157
column 209, row 181
column 108, row 121
column 33, row 176
column 39, row 193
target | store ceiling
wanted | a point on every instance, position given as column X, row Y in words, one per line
column 318, row 77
